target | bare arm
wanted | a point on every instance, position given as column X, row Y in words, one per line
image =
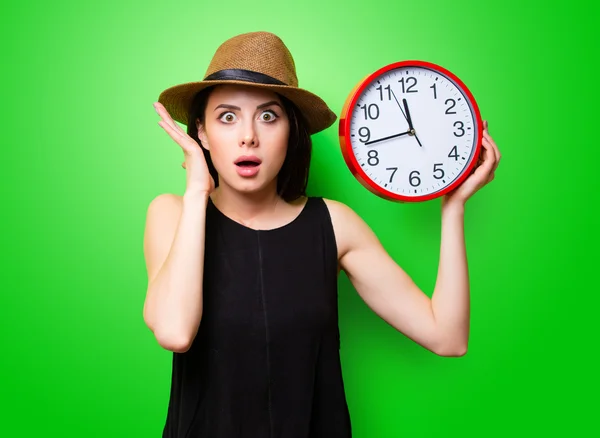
column 174, row 252
column 174, row 247
column 440, row 324
column 451, row 295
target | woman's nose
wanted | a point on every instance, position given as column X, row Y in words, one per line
column 249, row 141
column 249, row 138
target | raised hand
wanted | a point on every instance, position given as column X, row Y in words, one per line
column 198, row 177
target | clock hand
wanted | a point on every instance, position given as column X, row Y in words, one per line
column 386, row 138
column 407, row 115
column 409, row 119
column 409, row 122
column 399, row 106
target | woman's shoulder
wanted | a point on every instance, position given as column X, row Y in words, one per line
column 348, row 226
column 162, row 218
column 338, row 210
column 166, row 203
column 167, row 198
column 163, row 213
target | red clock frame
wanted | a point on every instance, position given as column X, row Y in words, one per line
column 346, row 142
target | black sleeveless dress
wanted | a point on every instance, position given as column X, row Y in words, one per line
column 265, row 362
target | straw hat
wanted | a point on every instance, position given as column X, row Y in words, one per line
column 258, row 59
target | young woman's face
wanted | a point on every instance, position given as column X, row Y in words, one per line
column 246, row 131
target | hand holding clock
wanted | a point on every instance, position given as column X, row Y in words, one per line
column 448, row 120
column 484, row 173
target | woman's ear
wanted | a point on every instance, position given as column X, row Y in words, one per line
column 202, row 134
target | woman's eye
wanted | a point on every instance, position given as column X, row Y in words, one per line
column 268, row 116
column 227, row 117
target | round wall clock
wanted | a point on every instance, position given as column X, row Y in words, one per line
column 411, row 131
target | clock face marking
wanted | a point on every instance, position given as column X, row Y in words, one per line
column 413, row 131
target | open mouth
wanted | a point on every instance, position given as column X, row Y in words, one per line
column 247, row 161
column 247, row 165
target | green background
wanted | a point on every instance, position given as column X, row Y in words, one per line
column 83, row 156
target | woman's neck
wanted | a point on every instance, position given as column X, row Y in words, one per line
column 250, row 209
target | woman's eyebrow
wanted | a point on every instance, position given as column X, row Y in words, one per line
column 272, row 102
column 233, row 107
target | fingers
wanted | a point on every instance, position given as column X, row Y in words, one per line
column 162, row 112
column 488, row 138
column 489, row 157
column 486, row 135
column 488, row 162
column 175, row 132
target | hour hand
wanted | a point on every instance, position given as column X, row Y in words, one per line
column 408, row 118
column 387, row 138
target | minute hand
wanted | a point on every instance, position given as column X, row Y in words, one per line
column 387, row 138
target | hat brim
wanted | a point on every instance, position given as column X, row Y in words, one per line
column 177, row 101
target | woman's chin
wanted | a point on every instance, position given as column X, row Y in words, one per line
column 251, row 185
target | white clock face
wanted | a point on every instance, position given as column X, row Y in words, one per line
column 418, row 159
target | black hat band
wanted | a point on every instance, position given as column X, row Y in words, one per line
column 235, row 74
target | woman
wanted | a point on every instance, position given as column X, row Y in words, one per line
column 243, row 267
